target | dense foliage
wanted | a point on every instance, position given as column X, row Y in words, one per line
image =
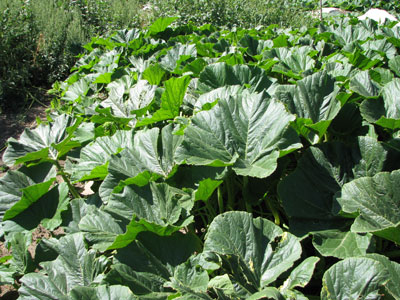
column 39, row 39
column 200, row 163
column 234, row 13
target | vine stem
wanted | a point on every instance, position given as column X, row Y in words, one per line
column 64, row 176
column 229, row 188
column 220, row 200
column 245, row 194
column 320, row 10
column 275, row 213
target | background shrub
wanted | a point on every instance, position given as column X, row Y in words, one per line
column 40, row 39
column 16, row 49
column 231, row 13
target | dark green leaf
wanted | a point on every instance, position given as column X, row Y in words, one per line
column 354, row 278
column 256, row 251
column 342, row 244
column 376, row 201
column 249, row 131
column 308, row 193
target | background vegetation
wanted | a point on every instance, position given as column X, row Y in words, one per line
column 40, row 39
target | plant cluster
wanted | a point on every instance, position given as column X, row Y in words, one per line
column 186, row 162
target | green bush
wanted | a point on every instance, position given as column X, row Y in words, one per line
column 16, row 50
column 60, row 34
column 233, row 13
column 40, row 39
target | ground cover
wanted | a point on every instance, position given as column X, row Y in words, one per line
column 202, row 163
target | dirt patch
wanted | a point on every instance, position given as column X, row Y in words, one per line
column 8, row 292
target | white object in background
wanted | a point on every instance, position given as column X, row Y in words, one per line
column 378, row 15
column 147, row 6
column 328, row 10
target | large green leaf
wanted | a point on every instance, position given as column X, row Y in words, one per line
column 102, row 292
column 362, row 84
column 253, row 46
column 150, row 155
column 78, row 209
column 8, row 272
column 94, row 157
column 189, row 281
column 376, row 201
column 154, row 74
column 107, row 63
column 21, row 257
column 393, row 268
column 292, row 61
column 308, row 193
column 75, row 266
column 158, row 208
column 100, row 228
column 267, row 293
column 342, row 244
column 203, row 180
column 30, row 195
column 125, row 36
column 171, row 101
column 221, row 74
column 385, row 113
column 41, row 142
column 208, row 99
column 363, row 60
column 18, row 192
column 177, row 55
column 254, row 251
column 149, row 262
column 394, row 64
column 301, row 275
column 313, row 100
column 46, row 210
column 124, row 102
column 346, row 33
column 382, row 46
column 11, row 186
column 160, row 25
column 78, row 90
column 354, row 278
column 249, row 132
